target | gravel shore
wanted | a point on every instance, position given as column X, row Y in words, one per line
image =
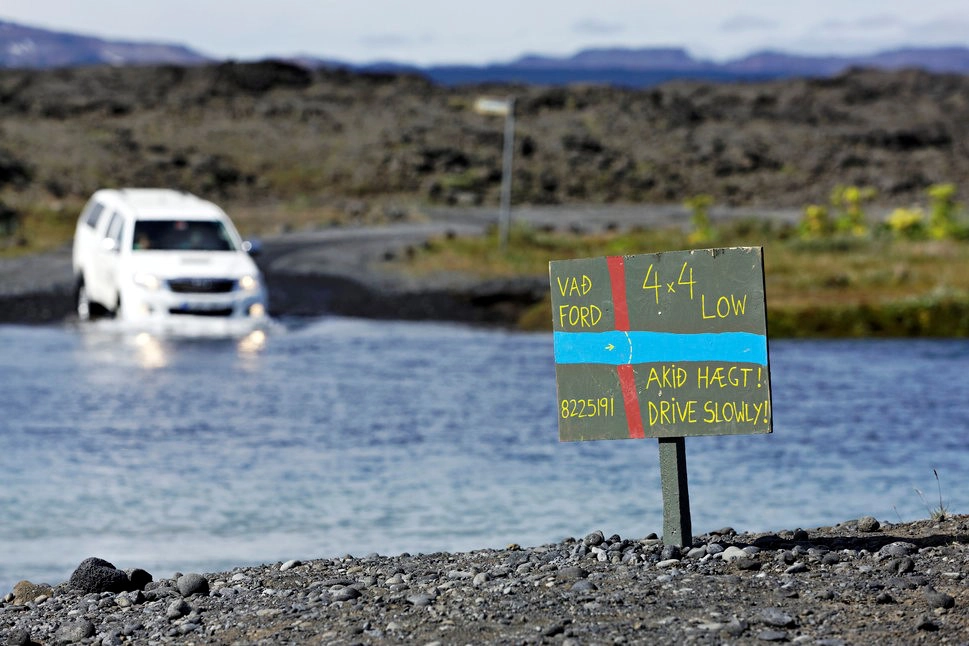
column 860, row 582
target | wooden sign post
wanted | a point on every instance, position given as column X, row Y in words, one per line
column 665, row 345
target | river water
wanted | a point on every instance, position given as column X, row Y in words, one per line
column 340, row 436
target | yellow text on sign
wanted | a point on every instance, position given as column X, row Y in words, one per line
column 570, row 314
column 726, row 306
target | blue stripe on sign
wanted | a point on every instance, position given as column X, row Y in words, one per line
column 616, row 348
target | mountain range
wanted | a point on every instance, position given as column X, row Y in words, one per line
column 31, row 47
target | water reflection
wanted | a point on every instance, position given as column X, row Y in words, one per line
column 253, row 343
column 111, row 341
column 151, row 354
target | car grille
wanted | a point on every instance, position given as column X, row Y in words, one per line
column 201, row 285
column 225, row 311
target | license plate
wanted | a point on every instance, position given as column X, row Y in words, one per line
column 200, row 307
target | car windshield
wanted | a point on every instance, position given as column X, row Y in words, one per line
column 181, row 235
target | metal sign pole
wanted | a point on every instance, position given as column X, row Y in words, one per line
column 503, row 108
column 677, row 527
column 509, row 148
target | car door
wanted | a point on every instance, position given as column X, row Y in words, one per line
column 103, row 281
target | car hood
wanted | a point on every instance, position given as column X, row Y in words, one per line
column 176, row 264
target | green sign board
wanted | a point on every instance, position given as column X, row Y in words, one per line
column 661, row 345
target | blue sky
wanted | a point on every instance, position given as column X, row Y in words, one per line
column 485, row 31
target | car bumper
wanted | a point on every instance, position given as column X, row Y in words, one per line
column 140, row 305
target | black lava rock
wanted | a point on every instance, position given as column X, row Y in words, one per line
column 98, row 575
column 138, row 579
column 189, row 584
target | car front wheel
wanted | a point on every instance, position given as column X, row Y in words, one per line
column 86, row 309
column 82, row 303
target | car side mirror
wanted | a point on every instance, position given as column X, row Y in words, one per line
column 109, row 244
column 252, row 247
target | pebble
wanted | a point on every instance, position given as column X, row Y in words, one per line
column 178, row 608
column 715, row 548
column 883, row 598
column 898, row 548
column 584, row 585
column 594, row 539
column 733, row 553
column 831, row 558
column 937, row 599
column 25, row 592
column 419, row 600
column 772, row 636
column 927, row 624
column 777, row 618
column 746, row 563
column 868, row 524
column 902, row 565
column 573, row 573
column 346, row 594
column 19, row 638
column 74, row 631
column 189, row 584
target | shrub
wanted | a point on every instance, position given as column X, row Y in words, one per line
column 815, row 223
column 848, row 201
column 907, row 223
column 699, row 206
column 942, row 211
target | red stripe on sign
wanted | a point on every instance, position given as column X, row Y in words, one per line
column 617, row 276
column 627, row 381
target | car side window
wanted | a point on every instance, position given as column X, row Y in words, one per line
column 93, row 215
column 115, row 229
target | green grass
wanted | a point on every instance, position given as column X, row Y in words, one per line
column 41, row 226
column 874, row 286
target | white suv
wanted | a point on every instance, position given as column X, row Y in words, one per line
column 163, row 255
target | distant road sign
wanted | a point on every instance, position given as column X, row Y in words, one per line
column 661, row 345
column 491, row 106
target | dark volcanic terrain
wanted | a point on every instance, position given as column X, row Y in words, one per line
column 271, row 132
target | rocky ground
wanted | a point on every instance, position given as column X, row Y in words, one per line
column 860, row 582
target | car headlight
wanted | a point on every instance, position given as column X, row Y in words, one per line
column 148, row 281
column 249, row 283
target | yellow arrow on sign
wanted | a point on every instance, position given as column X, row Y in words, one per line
column 610, row 347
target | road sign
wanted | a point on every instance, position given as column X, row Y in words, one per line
column 502, row 108
column 661, row 345
column 492, row 106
